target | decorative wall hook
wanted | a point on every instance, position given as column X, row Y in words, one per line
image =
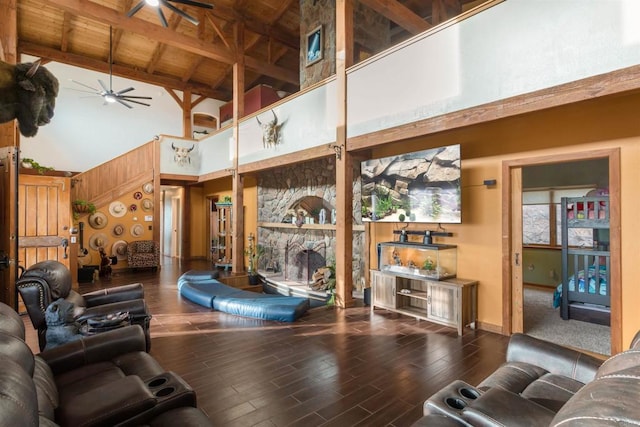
column 338, row 149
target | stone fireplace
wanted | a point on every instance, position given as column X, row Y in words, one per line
column 295, row 226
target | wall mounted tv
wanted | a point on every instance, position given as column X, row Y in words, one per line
column 423, row 186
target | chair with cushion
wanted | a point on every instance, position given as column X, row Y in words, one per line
column 143, row 254
column 46, row 281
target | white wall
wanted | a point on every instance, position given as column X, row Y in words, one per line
column 85, row 133
column 513, row 48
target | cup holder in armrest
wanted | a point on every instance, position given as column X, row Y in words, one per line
column 164, row 392
column 170, row 389
column 455, row 403
column 469, row 393
column 157, row 382
column 452, row 400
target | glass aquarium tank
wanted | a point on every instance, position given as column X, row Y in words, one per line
column 434, row 261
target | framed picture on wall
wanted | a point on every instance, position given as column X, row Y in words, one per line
column 314, row 46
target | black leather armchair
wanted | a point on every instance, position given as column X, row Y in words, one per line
column 46, row 281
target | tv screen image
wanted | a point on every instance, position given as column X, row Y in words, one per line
column 423, row 186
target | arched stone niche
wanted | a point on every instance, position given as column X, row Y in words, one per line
column 309, row 209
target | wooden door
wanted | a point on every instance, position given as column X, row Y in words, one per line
column 517, row 299
column 8, row 226
column 45, row 221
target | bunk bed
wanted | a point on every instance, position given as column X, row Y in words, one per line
column 585, row 270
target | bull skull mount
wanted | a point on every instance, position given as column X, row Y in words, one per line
column 270, row 131
column 181, row 155
column 338, row 150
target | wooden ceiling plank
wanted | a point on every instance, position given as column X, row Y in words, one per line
column 400, row 14
column 160, row 48
column 110, row 16
column 122, row 71
column 66, row 29
column 218, row 31
column 164, row 35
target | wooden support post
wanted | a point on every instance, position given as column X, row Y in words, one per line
column 238, row 186
column 9, row 136
column 344, row 159
column 187, row 125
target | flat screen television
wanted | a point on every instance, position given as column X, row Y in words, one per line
column 423, row 186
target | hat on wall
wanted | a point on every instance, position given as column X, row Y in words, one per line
column 147, row 205
column 137, row 230
column 98, row 240
column 98, row 220
column 148, row 187
column 119, row 249
column 118, row 230
column 117, row 209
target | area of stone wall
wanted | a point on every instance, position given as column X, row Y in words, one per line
column 371, row 34
column 279, row 192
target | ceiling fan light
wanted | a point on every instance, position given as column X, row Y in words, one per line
column 110, row 98
column 154, row 3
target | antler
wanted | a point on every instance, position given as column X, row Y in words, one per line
column 32, row 70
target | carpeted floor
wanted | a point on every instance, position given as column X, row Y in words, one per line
column 542, row 321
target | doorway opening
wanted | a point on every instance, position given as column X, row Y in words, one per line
column 171, row 199
column 514, row 177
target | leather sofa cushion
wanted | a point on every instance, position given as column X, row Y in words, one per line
column 46, row 389
column 552, row 391
column 15, row 349
column 513, row 376
column 606, row 401
column 11, row 322
column 56, row 274
column 620, row 361
column 18, row 402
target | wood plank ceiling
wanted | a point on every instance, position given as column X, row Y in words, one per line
column 198, row 58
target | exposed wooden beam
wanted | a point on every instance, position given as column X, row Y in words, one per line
column 160, row 47
column 110, row 16
column 119, row 70
column 400, row 14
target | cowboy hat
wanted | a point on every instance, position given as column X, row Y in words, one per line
column 118, row 230
column 98, row 220
column 147, row 205
column 117, row 209
column 119, row 249
column 98, row 240
column 137, row 230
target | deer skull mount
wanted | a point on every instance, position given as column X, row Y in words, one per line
column 270, row 131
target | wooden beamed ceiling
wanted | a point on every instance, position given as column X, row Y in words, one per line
column 186, row 57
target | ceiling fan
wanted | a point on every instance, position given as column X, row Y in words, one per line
column 109, row 95
column 156, row 4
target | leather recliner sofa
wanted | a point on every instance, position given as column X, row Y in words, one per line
column 101, row 380
column 544, row 384
column 46, row 281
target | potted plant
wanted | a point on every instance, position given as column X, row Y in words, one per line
column 254, row 253
column 82, row 207
column 28, row 163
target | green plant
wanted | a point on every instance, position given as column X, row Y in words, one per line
column 401, row 217
column 331, row 283
column 32, row 164
column 82, row 207
column 226, row 199
column 254, row 253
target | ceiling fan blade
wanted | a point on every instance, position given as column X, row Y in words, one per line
column 194, row 3
column 87, row 86
column 120, row 101
column 135, row 8
column 84, row 91
column 186, row 16
column 163, row 20
column 134, row 97
column 104, row 86
column 134, row 101
column 120, row 92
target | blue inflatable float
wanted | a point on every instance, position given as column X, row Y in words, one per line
column 203, row 288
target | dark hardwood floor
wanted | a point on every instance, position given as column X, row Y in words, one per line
column 332, row 367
